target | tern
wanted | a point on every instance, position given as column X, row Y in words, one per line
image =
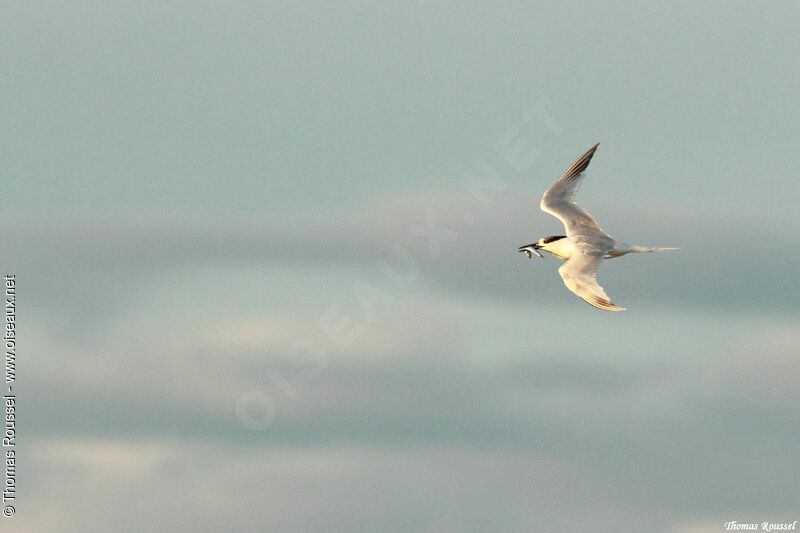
column 585, row 244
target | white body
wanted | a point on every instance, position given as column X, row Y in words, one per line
column 566, row 247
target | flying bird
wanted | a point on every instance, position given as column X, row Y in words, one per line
column 585, row 244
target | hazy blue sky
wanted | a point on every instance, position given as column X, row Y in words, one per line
column 268, row 278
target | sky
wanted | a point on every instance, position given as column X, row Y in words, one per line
column 268, row 280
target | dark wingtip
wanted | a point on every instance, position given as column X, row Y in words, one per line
column 580, row 165
column 605, row 304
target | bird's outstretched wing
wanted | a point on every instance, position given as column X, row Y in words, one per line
column 559, row 200
column 580, row 276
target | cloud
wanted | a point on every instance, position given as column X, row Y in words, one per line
column 458, row 383
column 448, row 241
column 330, row 488
column 541, row 435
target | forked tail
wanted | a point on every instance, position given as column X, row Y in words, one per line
column 647, row 249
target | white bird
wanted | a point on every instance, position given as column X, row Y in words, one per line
column 585, row 244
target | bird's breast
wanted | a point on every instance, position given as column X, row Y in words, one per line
column 562, row 248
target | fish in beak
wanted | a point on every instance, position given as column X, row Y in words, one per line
column 531, row 249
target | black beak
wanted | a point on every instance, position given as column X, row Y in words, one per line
column 531, row 249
